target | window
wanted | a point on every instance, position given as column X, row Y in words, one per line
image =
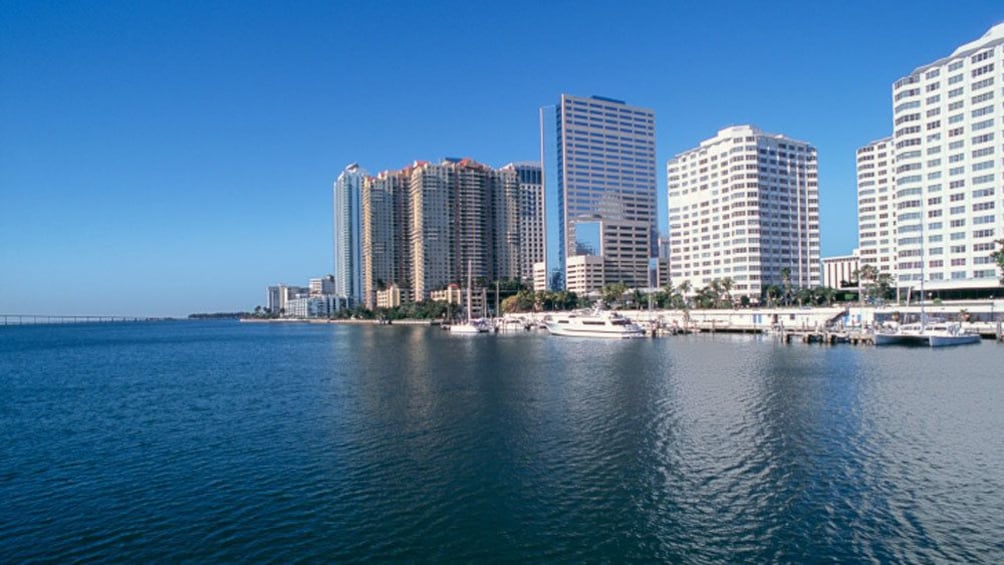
column 982, row 56
column 983, row 111
column 985, row 69
column 980, row 98
column 983, row 83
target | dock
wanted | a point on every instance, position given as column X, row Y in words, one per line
column 826, row 336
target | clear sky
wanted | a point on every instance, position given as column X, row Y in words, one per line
column 162, row 158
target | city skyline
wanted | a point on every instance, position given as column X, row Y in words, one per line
column 152, row 167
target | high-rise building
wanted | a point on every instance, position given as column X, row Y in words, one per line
column 530, row 217
column 745, row 205
column 606, row 185
column 348, row 233
column 463, row 213
column 386, row 234
column 948, row 127
column 422, row 226
column 876, row 206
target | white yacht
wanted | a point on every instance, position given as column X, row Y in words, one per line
column 598, row 323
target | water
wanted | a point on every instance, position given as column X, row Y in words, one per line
column 215, row 441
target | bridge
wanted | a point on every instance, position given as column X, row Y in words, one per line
column 54, row 319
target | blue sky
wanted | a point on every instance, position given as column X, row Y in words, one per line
column 162, row 158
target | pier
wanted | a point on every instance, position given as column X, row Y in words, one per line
column 827, row 337
column 55, row 319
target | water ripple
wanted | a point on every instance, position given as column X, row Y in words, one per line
column 219, row 442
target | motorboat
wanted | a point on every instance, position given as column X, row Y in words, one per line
column 936, row 334
column 598, row 323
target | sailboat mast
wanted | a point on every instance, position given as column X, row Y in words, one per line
column 468, row 291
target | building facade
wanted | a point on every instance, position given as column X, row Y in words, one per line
column 948, row 130
column 606, row 180
column 876, row 175
column 745, row 205
column 386, row 234
column 841, row 272
column 348, row 233
column 530, row 216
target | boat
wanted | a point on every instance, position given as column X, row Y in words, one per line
column 598, row 323
column 929, row 332
column 934, row 334
column 470, row 326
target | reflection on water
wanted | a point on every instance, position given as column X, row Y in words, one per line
column 216, row 441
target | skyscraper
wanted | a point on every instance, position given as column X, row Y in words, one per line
column 947, row 143
column 876, row 164
column 745, row 205
column 606, row 185
column 348, row 234
column 386, row 234
column 530, row 216
column 462, row 212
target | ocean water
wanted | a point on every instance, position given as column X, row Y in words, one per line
column 217, row 441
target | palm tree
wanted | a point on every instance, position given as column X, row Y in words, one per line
column 684, row 289
column 998, row 257
column 771, row 292
column 612, row 293
column 786, row 283
column 866, row 275
column 727, row 284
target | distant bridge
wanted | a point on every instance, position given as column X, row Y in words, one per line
column 52, row 319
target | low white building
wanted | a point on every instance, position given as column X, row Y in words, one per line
column 840, row 271
column 585, row 274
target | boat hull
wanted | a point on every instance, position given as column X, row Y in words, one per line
column 562, row 331
column 468, row 329
column 926, row 339
column 948, row 340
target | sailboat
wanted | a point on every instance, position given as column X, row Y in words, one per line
column 470, row 326
column 929, row 332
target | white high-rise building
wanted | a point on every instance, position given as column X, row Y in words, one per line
column 745, row 205
column 948, row 131
column 876, row 206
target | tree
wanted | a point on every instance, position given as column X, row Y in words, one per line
column 771, row 293
column 612, row 293
column 865, row 275
column 998, row 257
column 786, row 284
column 683, row 294
column 727, row 285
